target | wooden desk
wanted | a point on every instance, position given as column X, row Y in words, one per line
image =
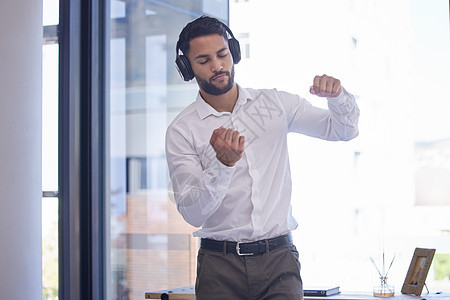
column 187, row 293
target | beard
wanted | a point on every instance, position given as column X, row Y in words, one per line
column 211, row 89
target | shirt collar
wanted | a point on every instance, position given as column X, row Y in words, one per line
column 204, row 109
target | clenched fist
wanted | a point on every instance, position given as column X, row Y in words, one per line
column 228, row 144
column 326, row 86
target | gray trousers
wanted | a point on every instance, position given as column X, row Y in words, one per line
column 272, row 275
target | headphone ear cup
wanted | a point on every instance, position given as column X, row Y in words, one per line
column 235, row 50
column 184, row 68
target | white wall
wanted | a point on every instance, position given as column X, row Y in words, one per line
column 20, row 149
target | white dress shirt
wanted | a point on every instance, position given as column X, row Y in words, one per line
column 251, row 200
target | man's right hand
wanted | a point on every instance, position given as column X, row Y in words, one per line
column 228, row 144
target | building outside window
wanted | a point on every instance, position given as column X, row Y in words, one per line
column 151, row 246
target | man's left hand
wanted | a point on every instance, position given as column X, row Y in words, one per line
column 326, row 86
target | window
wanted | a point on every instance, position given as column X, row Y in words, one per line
column 387, row 189
column 151, row 246
column 50, row 201
column 244, row 42
column 361, row 196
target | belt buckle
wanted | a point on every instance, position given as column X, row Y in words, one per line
column 238, row 249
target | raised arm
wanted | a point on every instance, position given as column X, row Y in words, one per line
column 337, row 123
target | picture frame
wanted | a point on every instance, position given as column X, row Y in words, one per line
column 418, row 271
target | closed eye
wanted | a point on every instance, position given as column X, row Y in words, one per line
column 218, row 55
column 204, row 58
column 222, row 53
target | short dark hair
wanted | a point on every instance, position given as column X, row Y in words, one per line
column 201, row 26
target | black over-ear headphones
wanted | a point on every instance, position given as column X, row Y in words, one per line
column 184, row 67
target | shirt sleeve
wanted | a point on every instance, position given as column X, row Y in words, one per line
column 197, row 192
column 337, row 123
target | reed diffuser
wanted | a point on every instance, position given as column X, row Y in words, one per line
column 383, row 289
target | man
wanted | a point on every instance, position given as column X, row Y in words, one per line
column 229, row 166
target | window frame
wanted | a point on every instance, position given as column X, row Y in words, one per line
column 82, row 183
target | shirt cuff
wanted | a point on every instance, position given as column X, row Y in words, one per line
column 340, row 98
column 220, row 172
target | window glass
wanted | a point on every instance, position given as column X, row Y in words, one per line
column 50, row 248
column 388, row 189
column 50, row 12
column 382, row 192
column 50, row 63
column 50, row 117
column 151, row 246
